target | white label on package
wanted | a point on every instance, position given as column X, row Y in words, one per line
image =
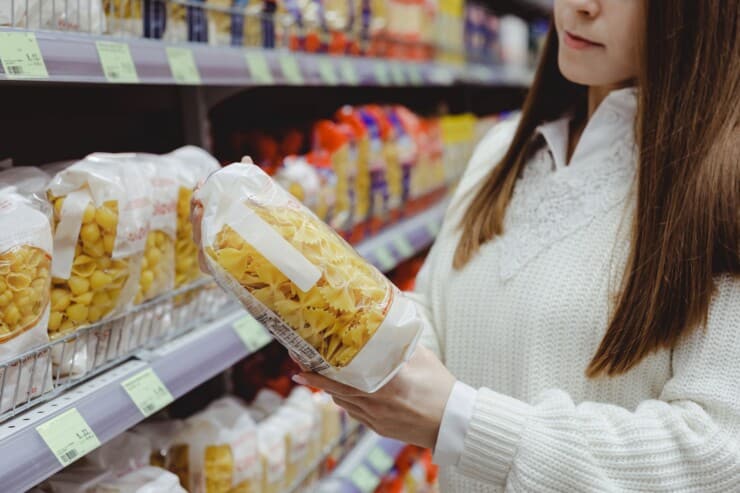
column 276, row 249
column 67, row 231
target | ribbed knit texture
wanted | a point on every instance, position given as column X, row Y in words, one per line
column 524, row 334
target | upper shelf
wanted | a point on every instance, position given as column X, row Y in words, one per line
column 75, row 58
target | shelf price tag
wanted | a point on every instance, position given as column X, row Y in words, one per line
column 327, row 73
column 403, row 246
column 380, row 460
column 414, row 73
column 183, row 66
column 21, row 56
column 252, row 333
column 433, row 228
column 118, row 66
column 385, row 259
column 381, row 73
column 68, row 436
column 259, row 70
column 147, row 391
column 364, row 479
column 399, row 78
column 291, row 69
column 349, row 73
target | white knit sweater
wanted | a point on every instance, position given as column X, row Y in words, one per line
column 522, row 320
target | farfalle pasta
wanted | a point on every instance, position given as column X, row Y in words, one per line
column 337, row 313
column 25, row 278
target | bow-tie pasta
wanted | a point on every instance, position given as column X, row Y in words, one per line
column 335, row 311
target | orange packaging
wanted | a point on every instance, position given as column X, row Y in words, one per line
column 332, row 141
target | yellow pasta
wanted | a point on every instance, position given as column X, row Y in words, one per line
column 24, row 289
column 93, row 288
column 338, row 315
column 157, row 265
column 186, row 252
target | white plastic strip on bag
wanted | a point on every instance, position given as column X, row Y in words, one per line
column 370, row 326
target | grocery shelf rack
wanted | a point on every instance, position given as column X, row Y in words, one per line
column 209, row 349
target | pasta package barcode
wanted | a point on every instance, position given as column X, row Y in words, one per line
column 294, row 274
column 15, row 69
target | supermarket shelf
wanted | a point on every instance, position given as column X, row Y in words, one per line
column 73, row 58
column 106, row 406
column 359, row 470
column 403, row 240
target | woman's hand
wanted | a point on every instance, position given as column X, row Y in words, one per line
column 409, row 408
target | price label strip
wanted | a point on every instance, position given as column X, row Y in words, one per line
column 385, row 259
column 381, row 74
column 364, row 479
column 68, row 436
column 118, row 66
column 147, row 391
column 252, row 333
column 433, row 228
column 291, row 70
column 258, row 68
column 21, row 56
column 327, row 73
column 403, row 246
column 183, row 66
column 349, row 73
column 380, row 460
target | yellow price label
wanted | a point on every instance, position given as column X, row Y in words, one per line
column 397, row 74
column 380, row 460
column 414, row 73
column 365, row 480
column 385, row 259
column 147, row 391
column 252, row 333
column 403, row 246
column 183, row 66
column 259, row 70
column 68, row 436
column 291, row 69
column 381, row 73
column 118, row 66
column 327, row 73
column 21, row 56
column 349, row 73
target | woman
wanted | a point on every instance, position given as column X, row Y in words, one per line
column 585, row 287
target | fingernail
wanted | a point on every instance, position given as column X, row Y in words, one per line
column 299, row 380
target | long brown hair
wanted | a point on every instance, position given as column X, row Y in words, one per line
column 686, row 229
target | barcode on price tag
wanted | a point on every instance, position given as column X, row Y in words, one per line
column 326, row 70
column 259, row 70
column 68, row 436
column 252, row 333
column 365, row 480
column 291, row 69
column 21, row 56
column 414, row 73
column 115, row 58
column 399, row 78
column 381, row 73
column 147, row 391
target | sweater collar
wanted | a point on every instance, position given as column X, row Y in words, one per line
column 615, row 114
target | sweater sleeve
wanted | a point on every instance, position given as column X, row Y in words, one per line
column 686, row 440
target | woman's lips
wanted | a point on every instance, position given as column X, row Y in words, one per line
column 579, row 43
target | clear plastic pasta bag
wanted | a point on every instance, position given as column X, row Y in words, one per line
column 191, row 164
column 337, row 313
column 25, row 279
column 102, row 206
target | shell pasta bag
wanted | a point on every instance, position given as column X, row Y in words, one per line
column 101, row 212
column 25, row 266
column 338, row 314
